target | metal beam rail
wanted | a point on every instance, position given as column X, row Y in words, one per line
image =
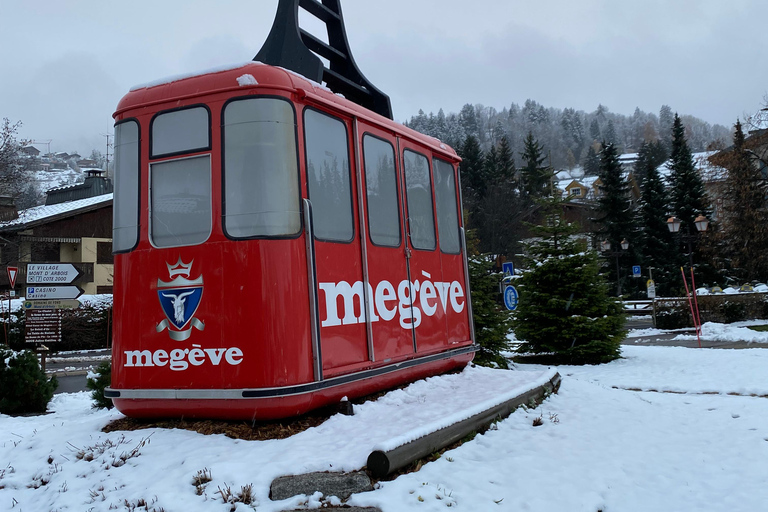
column 383, row 463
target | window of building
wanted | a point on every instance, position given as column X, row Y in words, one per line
column 330, row 192
column 447, row 207
column 104, row 252
column 575, row 191
column 180, row 201
column 180, row 131
column 381, row 192
column 418, row 189
column 125, row 221
column 261, row 177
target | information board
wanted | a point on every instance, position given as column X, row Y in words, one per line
column 43, row 326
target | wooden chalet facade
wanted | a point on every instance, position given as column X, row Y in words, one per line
column 77, row 232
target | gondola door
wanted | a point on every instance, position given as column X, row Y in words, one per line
column 338, row 267
column 385, row 248
column 431, row 295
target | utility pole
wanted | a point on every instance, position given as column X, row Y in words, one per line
column 107, row 135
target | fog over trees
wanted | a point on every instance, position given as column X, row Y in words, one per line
column 567, row 134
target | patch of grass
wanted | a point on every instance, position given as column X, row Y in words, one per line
column 200, row 480
column 245, row 496
column 758, row 328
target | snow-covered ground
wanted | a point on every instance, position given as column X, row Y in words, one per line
column 664, row 428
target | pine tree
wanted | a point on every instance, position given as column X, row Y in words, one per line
column 657, row 246
column 468, row 121
column 24, row 387
column 492, row 321
column 472, row 165
column 744, row 214
column 688, row 196
column 591, row 162
column 506, row 164
column 491, row 171
column 501, row 210
column 535, row 178
column 666, row 122
column 564, row 307
column 614, row 211
column 594, row 131
column 610, row 134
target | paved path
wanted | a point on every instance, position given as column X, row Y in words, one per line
column 668, row 339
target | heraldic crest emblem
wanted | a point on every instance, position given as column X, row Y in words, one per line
column 180, row 299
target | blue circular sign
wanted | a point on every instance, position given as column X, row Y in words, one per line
column 511, row 298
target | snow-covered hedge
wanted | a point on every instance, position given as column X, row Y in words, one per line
column 721, row 308
column 88, row 327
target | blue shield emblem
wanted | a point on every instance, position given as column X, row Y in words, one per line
column 180, row 304
column 180, row 299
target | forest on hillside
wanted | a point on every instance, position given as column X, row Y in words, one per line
column 567, row 133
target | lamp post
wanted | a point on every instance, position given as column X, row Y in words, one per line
column 701, row 223
column 605, row 247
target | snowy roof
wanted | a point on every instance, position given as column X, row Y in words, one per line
column 628, row 157
column 40, row 214
column 709, row 171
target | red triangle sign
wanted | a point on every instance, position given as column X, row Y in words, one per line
column 12, row 272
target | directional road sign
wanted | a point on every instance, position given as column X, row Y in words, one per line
column 53, row 292
column 52, row 304
column 51, row 273
column 511, row 297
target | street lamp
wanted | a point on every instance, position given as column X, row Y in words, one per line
column 605, row 247
column 701, row 223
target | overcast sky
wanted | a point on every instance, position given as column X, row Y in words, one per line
column 67, row 63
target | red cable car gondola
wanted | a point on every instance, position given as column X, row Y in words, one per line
column 277, row 246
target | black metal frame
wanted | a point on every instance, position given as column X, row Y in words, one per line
column 291, row 47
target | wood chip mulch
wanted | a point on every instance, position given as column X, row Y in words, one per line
column 258, row 431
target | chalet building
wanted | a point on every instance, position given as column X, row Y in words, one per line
column 30, row 151
column 95, row 185
column 77, row 232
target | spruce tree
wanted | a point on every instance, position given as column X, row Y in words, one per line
column 687, row 196
column 744, row 214
column 506, row 165
column 564, row 307
column 501, row 210
column 614, row 213
column 591, row 162
column 490, row 171
column 656, row 243
column 492, row 321
column 594, row 130
column 535, row 178
column 472, row 170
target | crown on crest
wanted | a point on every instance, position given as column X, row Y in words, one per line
column 180, row 268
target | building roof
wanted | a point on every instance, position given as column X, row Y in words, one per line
column 48, row 213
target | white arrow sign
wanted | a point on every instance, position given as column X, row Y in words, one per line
column 53, row 292
column 51, row 273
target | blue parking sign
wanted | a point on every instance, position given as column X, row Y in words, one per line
column 636, row 271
